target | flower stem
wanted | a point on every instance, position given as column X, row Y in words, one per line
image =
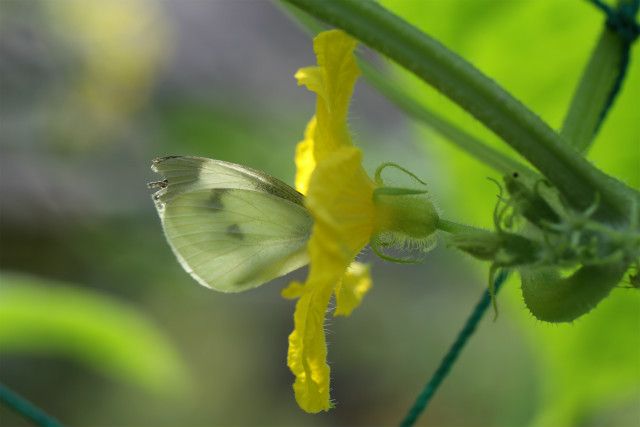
column 454, row 227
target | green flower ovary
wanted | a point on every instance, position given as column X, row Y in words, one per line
column 410, row 216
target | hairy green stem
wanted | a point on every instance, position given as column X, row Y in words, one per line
column 455, row 228
column 457, row 79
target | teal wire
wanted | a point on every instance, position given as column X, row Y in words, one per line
column 27, row 409
column 452, row 355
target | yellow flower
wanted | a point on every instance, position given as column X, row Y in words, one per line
column 349, row 210
column 339, row 195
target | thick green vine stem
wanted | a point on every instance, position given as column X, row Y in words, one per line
column 457, row 79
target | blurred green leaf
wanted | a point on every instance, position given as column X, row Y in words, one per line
column 47, row 317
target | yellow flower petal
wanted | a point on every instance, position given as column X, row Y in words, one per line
column 340, row 196
column 355, row 283
column 293, row 291
column 340, row 200
column 307, row 348
column 313, row 79
column 305, row 161
column 333, row 80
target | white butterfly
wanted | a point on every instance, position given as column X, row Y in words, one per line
column 231, row 227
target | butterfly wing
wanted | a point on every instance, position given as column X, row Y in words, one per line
column 231, row 227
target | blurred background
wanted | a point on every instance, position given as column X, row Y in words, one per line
column 100, row 326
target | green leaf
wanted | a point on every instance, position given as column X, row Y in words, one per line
column 47, row 317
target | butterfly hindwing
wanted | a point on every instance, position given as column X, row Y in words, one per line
column 232, row 228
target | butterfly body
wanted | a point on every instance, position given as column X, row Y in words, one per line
column 231, row 227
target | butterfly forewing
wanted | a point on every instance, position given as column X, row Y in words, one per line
column 199, row 173
column 231, row 228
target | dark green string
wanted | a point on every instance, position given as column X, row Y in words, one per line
column 452, row 355
column 27, row 409
column 622, row 21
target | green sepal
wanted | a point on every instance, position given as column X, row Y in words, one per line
column 378, row 174
column 375, row 246
column 396, row 191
